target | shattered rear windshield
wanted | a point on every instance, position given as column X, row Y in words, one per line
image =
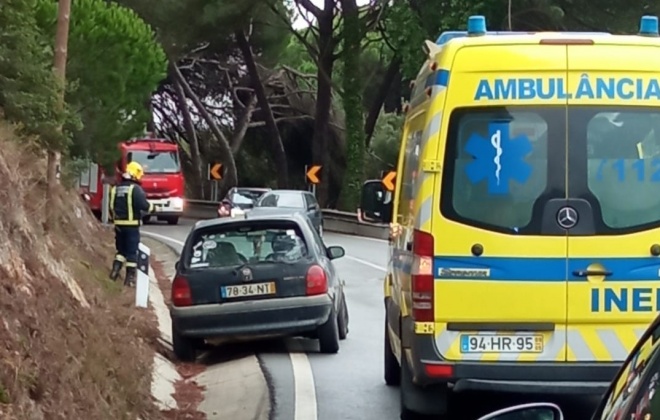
column 235, row 245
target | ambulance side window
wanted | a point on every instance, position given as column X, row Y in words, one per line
column 409, row 170
column 635, row 390
column 623, row 152
column 496, row 167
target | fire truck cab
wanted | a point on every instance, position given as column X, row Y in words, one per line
column 163, row 180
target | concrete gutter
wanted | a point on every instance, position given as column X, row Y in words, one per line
column 234, row 389
column 164, row 374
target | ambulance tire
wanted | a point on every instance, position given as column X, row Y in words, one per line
column 421, row 403
column 146, row 219
column 392, row 368
column 174, row 220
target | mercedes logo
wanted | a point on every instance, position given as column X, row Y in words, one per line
column 567, row 217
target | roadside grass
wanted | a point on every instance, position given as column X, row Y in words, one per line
column 73, row 345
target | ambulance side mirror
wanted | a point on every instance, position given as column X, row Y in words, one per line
column 376, row 202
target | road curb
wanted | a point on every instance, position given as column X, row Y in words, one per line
column 235, row 389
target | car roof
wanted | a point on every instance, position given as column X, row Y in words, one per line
column 251, row 189
column 275, row 217
column 289, row 191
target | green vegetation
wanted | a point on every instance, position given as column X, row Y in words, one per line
column 328, row 91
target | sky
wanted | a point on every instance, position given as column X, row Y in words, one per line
column 300, row 21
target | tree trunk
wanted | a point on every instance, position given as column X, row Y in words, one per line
column 352, row 102
column 59, row 66
column 151, row 124
column 279, row 154
column 242, row 124
column 326, row 63
column 191, row 135
column 379, row 100
column 230, row 176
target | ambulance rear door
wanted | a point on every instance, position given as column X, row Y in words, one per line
column 500, row 265
column 614, row 198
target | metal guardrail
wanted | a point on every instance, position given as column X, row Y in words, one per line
column 333, row 220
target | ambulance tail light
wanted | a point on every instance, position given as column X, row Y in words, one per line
column 422, row 277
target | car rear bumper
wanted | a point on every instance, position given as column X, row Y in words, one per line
column 282, row 316
column 516, row 377
column 167, row 206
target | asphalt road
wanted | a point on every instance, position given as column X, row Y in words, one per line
column 349, row 385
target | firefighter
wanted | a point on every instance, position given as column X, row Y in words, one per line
column 128, row 202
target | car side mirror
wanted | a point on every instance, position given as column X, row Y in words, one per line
column 376, row 202
column 533, row 411
column 335, row 252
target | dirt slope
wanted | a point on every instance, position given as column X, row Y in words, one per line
column 70, row 345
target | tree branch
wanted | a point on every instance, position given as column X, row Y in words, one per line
column 310, row 7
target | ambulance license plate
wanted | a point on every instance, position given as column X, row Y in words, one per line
column 501, row 343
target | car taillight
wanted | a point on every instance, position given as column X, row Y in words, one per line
column 422, row 277
column 317, row 282
column 181, row 295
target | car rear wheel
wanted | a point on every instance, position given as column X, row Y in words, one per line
column 184, row 347
column 329, row 334
column 342, row 321
column 392, row 368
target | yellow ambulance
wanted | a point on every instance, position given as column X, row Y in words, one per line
column 526, row 214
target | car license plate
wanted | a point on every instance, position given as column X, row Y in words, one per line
column 502, row 343
column 243, row 290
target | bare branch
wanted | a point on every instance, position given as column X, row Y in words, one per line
column 283, row 119
column 310, row 7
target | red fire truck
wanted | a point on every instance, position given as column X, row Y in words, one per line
column 163, row 180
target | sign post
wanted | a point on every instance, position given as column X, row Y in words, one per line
column 142, row 281
column 215, row 172
column 313, row 176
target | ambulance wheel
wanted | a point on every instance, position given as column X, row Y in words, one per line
column 146, row 219
column 421, row 403
column 173, row 220
column 392, row 368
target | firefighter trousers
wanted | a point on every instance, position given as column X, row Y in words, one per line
column 127, row 241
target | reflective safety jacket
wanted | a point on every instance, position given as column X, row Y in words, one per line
column 127, row 202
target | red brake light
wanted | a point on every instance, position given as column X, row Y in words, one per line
column 422, row 277
column 181, row 295
column 317, row 282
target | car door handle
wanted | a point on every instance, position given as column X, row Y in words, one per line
column 585, row 273
column 409, row 246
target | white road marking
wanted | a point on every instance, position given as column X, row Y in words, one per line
column 163, row 237
column 382, row 241
column 304, row 388
column 367, row 263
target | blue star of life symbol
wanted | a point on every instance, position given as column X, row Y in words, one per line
column 498, row 158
